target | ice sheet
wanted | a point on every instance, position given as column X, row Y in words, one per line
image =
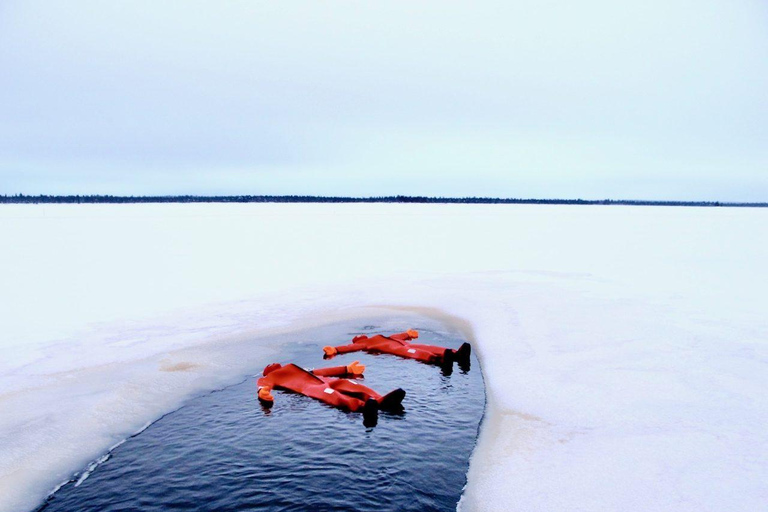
column 624, row 348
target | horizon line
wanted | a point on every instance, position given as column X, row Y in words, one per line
column 297, row 198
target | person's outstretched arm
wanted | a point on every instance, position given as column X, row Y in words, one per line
column 410, row 334
column 354, row 368
column 358, row 343
column 343, row 349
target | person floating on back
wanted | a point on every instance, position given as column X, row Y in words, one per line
column 400, row 345
column 334, row 386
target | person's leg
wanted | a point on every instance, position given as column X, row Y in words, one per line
column 354, row 389
column 329, row 395
column 432, row 349
column 353, row 397
column 410, row 352
column 460, row 355
column 389, row 402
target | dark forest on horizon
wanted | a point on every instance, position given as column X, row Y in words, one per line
column 91, row 199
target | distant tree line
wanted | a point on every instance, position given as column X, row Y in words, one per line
column 21, row 198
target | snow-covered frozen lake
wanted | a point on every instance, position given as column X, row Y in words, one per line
column 624, row 349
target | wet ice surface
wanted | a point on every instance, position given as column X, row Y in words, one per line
column 224, row 451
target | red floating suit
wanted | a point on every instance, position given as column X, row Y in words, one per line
column 399, row 345
column 330, row 385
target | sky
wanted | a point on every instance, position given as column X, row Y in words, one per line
column 661, row 99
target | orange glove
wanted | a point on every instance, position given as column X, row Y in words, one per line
column 413, row 333
column 264, row 394
column 330, row 351
column 355, row 368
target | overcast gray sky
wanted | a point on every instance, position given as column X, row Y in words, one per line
column 660, row 99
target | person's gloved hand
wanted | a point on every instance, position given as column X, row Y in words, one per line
column 413, row 333
column 330, row 351
column 355, row 368
column 265, row 394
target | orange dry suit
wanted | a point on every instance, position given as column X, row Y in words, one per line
column 327, row 385
column 399, row 345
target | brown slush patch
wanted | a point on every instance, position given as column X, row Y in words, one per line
column 178, row 367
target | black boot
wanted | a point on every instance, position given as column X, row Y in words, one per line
column 463, row 353
column 392, row 401
column 447, row 363
column 370, row 413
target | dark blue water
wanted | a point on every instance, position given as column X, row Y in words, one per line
column 225, row 452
